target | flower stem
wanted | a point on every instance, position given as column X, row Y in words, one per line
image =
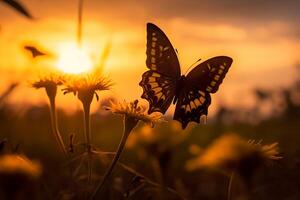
column 54, row 126
column 159, row 177
column 129, row 124
column 229, row 191
column 87, row 133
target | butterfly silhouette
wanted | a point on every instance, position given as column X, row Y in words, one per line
column 163, row 83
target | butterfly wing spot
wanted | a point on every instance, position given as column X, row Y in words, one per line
column 209, row 89
column 222, row 67
column 213, row 83
column 224, row 63
column 152, row 52
column 220, row 71
column 153, row 44
column 154, row 39
column 201, row 93
column 197, row 102
column 159, row 95
column 153, row 34
column 187, row 108
column 217, row 77
column 153, row 60
column 154, row 85
column 156, row 75
column 153, row 66
column 208, row 66
column 157, row 90
column 166, row 48
column 152, row 79
column 193, row 105
column 202, row 99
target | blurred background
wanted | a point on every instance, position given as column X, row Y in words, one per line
column 259, row 98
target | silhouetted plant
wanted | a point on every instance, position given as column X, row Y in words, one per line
column 50, row 83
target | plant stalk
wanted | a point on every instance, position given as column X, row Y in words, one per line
column 54, row 126
column 159, row 177
column 129, row 124
column 87, row 133
column 229, row 191
column 79, row 23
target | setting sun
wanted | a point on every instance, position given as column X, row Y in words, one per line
column 73, row 60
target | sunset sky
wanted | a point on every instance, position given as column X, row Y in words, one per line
column 262, row 37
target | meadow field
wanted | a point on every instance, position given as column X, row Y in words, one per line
column 74, row 121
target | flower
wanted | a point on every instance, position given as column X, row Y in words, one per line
column 17, row 164
column 232, row 153
column 18, row 175
column 162, row 138
column 85, row 86
column 49, row 82
column 134, row 111
column 158, row 144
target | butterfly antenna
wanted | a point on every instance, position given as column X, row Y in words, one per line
column 192, row 66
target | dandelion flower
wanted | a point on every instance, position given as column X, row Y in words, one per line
column 18, row 175
column 235, row 156
column 231, row 152
column 134, row 112
column 49, row 82
column 155, row 142
column 86, row 86
column 16, row 164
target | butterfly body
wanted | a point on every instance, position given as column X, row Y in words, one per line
column 178, row 88
column 163, row 83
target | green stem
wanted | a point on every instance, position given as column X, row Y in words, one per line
column 54, row 126
column 129, row 124
column 87, row 133
column 229, row 191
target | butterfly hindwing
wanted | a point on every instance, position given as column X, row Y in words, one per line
column 194, row 99
column 158, row 91
column 191, row 105
column 209, row 74
column 161, row 56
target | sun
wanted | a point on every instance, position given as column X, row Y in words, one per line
column 73, row 60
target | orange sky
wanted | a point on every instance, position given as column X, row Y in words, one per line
column 262, row 38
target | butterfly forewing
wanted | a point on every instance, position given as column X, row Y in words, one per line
column 161, row 56
column 191, row 105
column 209, row 74
column 158, row 91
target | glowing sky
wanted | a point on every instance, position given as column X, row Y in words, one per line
column 262, row 36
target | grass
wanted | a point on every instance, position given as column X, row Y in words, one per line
column 203, row 184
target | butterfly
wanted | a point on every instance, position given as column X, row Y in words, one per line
column 163, row 83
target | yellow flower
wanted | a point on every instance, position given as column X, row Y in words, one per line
column 17, row 175
column 134, row 111
column 230, row 152
column 19, row 165
column 85, row 86
column 49, row 82
column 158, row 141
